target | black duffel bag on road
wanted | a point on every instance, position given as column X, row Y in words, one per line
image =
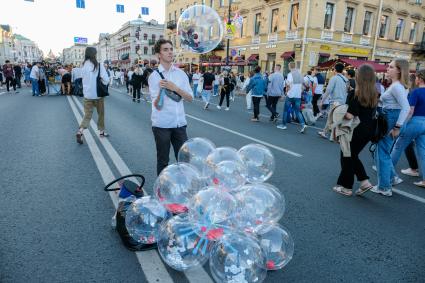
column 102, row 89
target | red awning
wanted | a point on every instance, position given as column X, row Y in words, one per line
column 327, row 55
column 238, row 59
column 288, row 54
column 253, row 57
column 379, row 68
column 328, row 64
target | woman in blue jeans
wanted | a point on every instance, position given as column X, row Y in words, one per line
column 415, row 127
column 396, row 107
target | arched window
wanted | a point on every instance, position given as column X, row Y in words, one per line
column 145, row 36
column 153, row 37
column 145, row 50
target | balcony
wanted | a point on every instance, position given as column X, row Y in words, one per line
column 364, row 40
column 256, row 39
column 272, row 37
column 151, row 41
column 346, row 37
column 291, row 34
column 171, row 25
column 327, row 35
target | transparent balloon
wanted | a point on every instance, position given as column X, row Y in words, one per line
column 237, row 258
column 180, row 246
column 213, row 211
column 277, row 244
column 143, row 219
column 200, row 29
column 195, row 152
column 259, row 204
column 176, row 185
column 218, row 155
column 259, row 162
column 228, row 174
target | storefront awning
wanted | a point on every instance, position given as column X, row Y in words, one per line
column 326, row 55
column 253, row 57
column 379, row 68
column 288, row 54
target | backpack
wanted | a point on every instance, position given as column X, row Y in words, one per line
column 380, row 130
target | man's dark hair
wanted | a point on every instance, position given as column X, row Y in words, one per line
column 351, row 73
column 279, row 65
column 7, row 61
column 257, row 69
column 309, row 73
column 339, row 67
column 159, row 43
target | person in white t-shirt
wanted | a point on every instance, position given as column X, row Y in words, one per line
column 195, row 79
column 90, row 71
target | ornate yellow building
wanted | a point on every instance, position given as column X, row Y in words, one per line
column 313, row 31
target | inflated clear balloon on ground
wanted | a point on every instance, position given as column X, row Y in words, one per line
column 259, row 161
column 218, row 155
column 213, row 210
column 259, row 204
column 180, row 246
column 143, row 219
column 200, row 29
column 176, row 185
column 237, row 258
column 195, row 152
column 277, row 244
column 228, row 174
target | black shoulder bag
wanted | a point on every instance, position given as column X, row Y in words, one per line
column 171, row 94
column 102, row 89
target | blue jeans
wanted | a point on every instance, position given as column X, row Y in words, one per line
column 195, row 89
column 413, row 130
column 215, row 90
column 206, row 95
column 384, row 164
column 35, row 90
column 295, row 104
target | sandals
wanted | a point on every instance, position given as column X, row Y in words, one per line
column 343, row 191
column 364, row 189
column 103, row 134
column 79, row 137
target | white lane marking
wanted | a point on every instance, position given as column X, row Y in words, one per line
column 150, row 259
column 246, row 136
column 411, row 196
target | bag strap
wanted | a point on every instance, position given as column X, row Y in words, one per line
column 160, row 74
column 98, row 71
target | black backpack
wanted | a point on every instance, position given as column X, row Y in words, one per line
column 380, row 130
column 127, row 189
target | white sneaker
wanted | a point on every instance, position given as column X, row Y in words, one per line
column 303, row 129
column 374, row 168
column 386, row 193
column 282, row 127
column 218, row 107
column 410, row 172
column 227, row 109
column 396, row 180
column 206, row 105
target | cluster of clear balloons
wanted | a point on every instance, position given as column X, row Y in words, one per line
column 214, row 205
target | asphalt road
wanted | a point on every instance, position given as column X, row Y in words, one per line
column 55, row 217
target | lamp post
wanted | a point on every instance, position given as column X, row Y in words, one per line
column 229, row 21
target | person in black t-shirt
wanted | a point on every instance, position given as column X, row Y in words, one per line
column 207, row 88
column 351, row 79
column 362, row 105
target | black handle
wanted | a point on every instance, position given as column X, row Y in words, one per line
column 123, row 177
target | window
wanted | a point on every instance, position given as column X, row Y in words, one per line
column 221, row 3
column 399, row 29
column 175, row 15
column 328, row 15
column 348, row 19
column 257, row 23
column 145, row 36
column 169, row 16
column 367, row 23
column 81, row 4
column 153, row 50
column 211, row 3
column 412, row 35
column 153, row 37
column 274, row 21
column 383, row 27
column 293, row 23
column 203, row 6
column 243, row 32
column 161, row 36
column 120, row 8
column 145, row 50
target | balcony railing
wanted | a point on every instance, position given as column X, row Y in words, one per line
column 291, row 34
column 171, row 25
column 364, row 40
column 256, row 39
column 346, row 37
column 272, row 37
column 327, row 35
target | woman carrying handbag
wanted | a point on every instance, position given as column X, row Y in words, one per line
column 95, row 81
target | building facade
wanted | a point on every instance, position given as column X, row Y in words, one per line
column 74, row 55
column 17, row 48
column 313, row 31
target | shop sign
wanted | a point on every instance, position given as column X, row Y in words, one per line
column 355, row 51
column 391, row 54
column 242, row 49
column 255, row 48
column 325, row 47
column 271, row 46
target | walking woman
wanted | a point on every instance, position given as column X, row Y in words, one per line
column 90, row 70
column 362, row 105
column 415, row 127
column 225, row 90
column 396, row 108
column 248, row 94
column 136, row 82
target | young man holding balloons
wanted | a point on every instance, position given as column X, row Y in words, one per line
column 168, row 116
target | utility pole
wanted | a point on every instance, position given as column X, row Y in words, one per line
column 229, row 21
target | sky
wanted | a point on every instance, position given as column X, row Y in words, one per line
column 53, row 24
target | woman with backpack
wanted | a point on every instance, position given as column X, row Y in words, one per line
column 362, row 105
column 395, row 107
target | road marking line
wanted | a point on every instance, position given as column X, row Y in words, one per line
column 151, row 259
column 411, row 196
column 246, row 136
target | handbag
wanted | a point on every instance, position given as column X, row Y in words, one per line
column 171, row 94
column 102, row 89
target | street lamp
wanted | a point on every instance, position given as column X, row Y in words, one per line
column 229, row 21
